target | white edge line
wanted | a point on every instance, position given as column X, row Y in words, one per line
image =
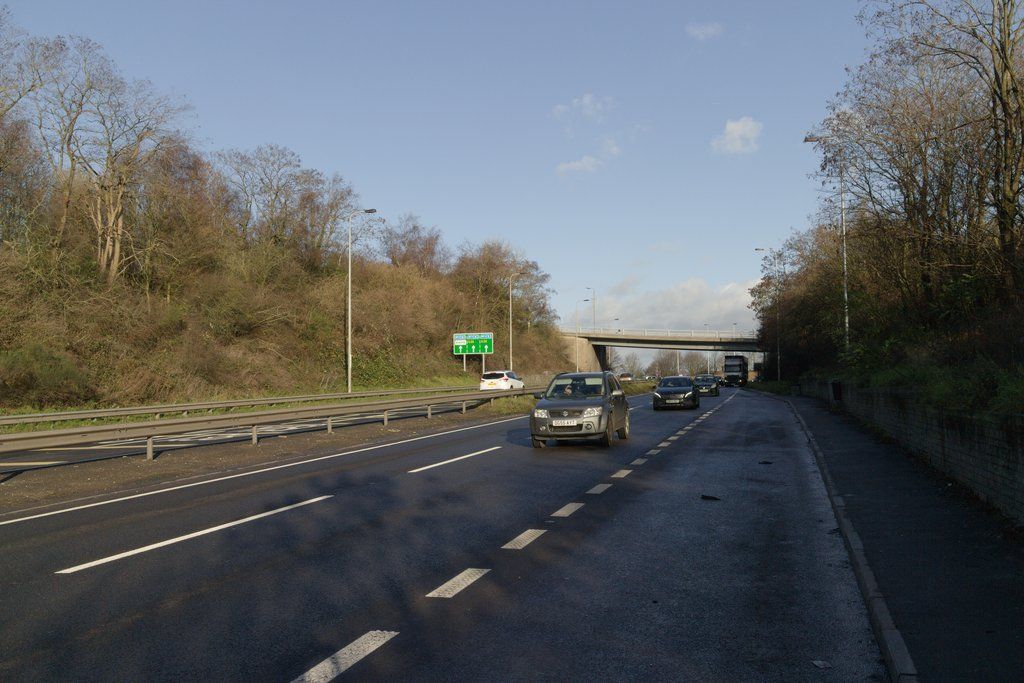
column 343, row 659
column 261, row 471
column 461, row 457
column 186, row 537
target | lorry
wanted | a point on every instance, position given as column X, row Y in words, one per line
column 735, row 371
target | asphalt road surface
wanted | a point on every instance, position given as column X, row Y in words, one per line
column 702, row 548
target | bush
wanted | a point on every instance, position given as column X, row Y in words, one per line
column 35, row 375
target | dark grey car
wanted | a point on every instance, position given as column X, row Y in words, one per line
column 580, row 405
column 675, row 392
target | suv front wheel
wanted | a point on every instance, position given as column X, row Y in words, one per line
column 623, row 431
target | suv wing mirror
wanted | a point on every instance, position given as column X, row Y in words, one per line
column 539, row 395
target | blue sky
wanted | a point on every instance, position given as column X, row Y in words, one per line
column 640, row 148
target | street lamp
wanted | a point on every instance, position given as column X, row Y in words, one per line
column 707, row 353
column 581, row 301
column 593, row 300
column 778, row 315
column 510, row 278
column 348, row 312
column 822, row 139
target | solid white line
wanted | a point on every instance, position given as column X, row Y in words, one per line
column 260, row 471
column 461, row 457
column 653, row 451
column 638, row 461
column 621, row 473
column 453, row 586
column 343, row 659
column 567, row 510
column 524, row 539
column 186, row 537
column 600, row 488
column 30, row 463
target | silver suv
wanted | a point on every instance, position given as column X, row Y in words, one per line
column 579, row 405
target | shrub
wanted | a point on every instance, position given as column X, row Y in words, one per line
column 38, row 376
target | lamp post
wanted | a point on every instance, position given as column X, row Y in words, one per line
column 581, row 301
column 778, row 315
column 821, row 139
column 593, row 301
column 510, row 279
column 348, row 302
column 708, row 352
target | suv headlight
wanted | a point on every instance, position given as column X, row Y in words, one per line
column 657, row 395
column 540, row 412
column 592, row 412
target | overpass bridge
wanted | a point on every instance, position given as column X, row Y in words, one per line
column 591, row 344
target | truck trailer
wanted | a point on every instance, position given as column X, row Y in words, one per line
column 736, row 371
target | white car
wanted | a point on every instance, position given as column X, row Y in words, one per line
column 501, row 380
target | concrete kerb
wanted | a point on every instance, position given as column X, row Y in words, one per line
column 898, row 662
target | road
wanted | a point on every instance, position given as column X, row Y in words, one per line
column 701, row 548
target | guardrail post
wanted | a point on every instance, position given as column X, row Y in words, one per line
column 149, row 448
column 330, row 425
column 385, row 418
column 255, row 436
column 430, row 409
column 463, row 407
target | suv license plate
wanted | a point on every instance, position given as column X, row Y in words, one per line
column 565, row 423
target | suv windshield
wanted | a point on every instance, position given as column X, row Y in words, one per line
column 576, row 387
column 705, row 379
column 681, row 382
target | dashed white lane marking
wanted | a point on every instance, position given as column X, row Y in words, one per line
column 673, row 437
column 453, row 586
column 600, row 488
column 524, row 539
column 186, row 537
column 461, row 457
column 343, row 659
column 621, row 474
column 638, row 461
column 653, row 451
column 567, row 510
column 259, row 471
column 664, row 444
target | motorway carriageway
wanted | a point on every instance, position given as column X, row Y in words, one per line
column 701, row 548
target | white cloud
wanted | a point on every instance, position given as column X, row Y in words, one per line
column 588, row 105
column 741, row 136
column 587, row 164
column 610, row 148
column 702, row 32
column 685, row 305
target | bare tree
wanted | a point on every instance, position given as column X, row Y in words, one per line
column 79, row 68
column 24, row 64
column 128, row 123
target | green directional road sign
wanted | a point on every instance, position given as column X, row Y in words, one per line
column 472, row 343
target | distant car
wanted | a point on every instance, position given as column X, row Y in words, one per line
column 579, row 405
column 707, row 384
column 675, row 392
column 500, row 380
column 626, row 377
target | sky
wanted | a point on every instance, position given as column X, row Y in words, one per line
column 643, row 149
